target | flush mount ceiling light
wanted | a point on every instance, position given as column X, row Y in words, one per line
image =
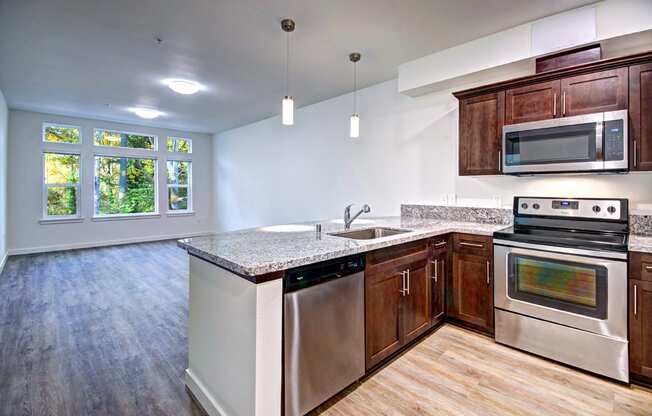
column 355, row 118
column 183, row 86
column 287, row 105
column 147, row 113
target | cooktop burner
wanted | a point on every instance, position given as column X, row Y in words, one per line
column 594, row 224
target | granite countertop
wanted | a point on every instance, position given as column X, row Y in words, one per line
column 640, row 243
column 258, row 251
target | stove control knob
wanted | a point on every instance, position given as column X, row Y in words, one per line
column 596, row 209
column 611, row 210
column 536, row 206
column 524, row 205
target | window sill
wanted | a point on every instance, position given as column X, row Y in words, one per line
column 126, row 217
column 46, row 221
column 180, row 213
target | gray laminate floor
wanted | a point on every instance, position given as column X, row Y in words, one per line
column 95, row 332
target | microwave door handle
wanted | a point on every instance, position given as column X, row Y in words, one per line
column 599, row 140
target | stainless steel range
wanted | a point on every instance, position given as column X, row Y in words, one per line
column 561, row 282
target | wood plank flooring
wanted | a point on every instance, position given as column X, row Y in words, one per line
column 95, row 332
column 458, row 372
column 103, row 332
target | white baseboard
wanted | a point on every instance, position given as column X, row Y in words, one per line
column 206, row 399
column 74, row 246
column 3, row 261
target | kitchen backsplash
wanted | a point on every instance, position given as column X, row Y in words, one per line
column 464, row 214
column 641, row 223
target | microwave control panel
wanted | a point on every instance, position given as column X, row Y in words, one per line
column 614, row 142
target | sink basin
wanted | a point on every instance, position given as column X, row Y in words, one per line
column 370, row 233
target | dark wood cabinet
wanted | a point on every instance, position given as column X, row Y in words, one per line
column 439, row 271
column 594, row 92
column 532, row 102
column 640, row 317
column 481, row 122
column 470, row 292
column 640, row 116
column 397, row 299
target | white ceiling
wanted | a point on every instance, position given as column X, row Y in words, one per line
column 98, row 58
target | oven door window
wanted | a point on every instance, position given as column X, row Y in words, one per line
column 572, row 287
column 565, row 144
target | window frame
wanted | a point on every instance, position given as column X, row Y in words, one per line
column 188, row 186
column 118, row 155
column 103, row 146
column 47, row 124
column 46, row 186
column 175, row 138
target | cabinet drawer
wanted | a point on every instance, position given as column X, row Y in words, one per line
column 478, row 245
column 396, row 253
column 640, row 266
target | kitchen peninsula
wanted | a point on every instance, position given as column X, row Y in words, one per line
column 235, row 365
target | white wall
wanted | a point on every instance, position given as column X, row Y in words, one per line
column 27, row 234
column 407, row 153
column 4, row 118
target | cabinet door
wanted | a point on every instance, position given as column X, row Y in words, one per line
column 640, row 109
column 640, row 328
column 532, row 102
column 382, row 313
column 438, row 273
column 481, row 128
column 471, row 294
column 595, row 92
column 416, row 302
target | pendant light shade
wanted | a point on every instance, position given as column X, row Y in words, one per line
column 354, row 128
column 288, row 111
column 287, row 105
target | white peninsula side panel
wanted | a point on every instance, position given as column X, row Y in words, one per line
column 235, row 339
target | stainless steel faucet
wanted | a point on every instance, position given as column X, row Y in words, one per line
column 347, row 214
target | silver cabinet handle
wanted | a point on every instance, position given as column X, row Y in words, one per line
column 462, row 243
column 441, row 243
column 408, row 281
column 635, row 154
column 436, row 276
column 402, row 290
column 488, row 283
column 648, row 268
column 563, row 103
column 500, row 161
column 554, row 104
column 635, row 300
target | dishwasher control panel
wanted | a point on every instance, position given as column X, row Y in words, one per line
column 305, row 276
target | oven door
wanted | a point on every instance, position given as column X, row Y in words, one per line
column 567, row 144
column 581, row 292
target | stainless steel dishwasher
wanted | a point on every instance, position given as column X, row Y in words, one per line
column 323, row 332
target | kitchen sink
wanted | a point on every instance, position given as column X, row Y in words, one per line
column 370, row 233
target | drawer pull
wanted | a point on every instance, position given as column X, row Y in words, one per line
column 648, row 268
column 441, row 243
column 462, row 243
column 635, row 300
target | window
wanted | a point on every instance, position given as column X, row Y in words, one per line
column 124, row 139
column 60, row 185
column 125, row 186
column 61, row 133
column 179, row 185
column 179, row 145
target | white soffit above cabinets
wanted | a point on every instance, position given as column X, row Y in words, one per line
column 621, row 26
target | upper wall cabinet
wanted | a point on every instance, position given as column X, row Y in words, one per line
column 640, row 116
column 594, row 93
column 481, row 127
column 532, row 102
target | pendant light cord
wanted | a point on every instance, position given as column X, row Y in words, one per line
column 355, row 88
column 287, row 64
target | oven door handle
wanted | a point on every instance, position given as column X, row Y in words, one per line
column 563, row 250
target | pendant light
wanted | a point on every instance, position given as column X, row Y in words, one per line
column 354, row 132
column 287, row 105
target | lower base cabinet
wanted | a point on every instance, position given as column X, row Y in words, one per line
column 470, row 290
column 640, row 317
column 439, row 272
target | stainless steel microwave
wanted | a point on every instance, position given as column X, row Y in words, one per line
column 591, row 142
